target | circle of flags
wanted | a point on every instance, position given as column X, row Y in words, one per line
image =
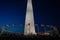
column 21, row 25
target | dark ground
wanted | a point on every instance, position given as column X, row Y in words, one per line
column 18, row 37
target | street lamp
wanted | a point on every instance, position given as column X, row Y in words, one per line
column 20, row 25
column 2, row 29
column 42, row 25
column 47, row 25
column 8, row 25
column 13, row 26
column 37, row 28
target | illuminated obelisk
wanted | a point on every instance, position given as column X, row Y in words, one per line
column 29, row 21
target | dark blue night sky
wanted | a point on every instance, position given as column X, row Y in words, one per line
column 14, row 11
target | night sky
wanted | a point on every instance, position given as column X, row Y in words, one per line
column 14, row 11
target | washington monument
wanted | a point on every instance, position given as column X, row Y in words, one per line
column 29, row 20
